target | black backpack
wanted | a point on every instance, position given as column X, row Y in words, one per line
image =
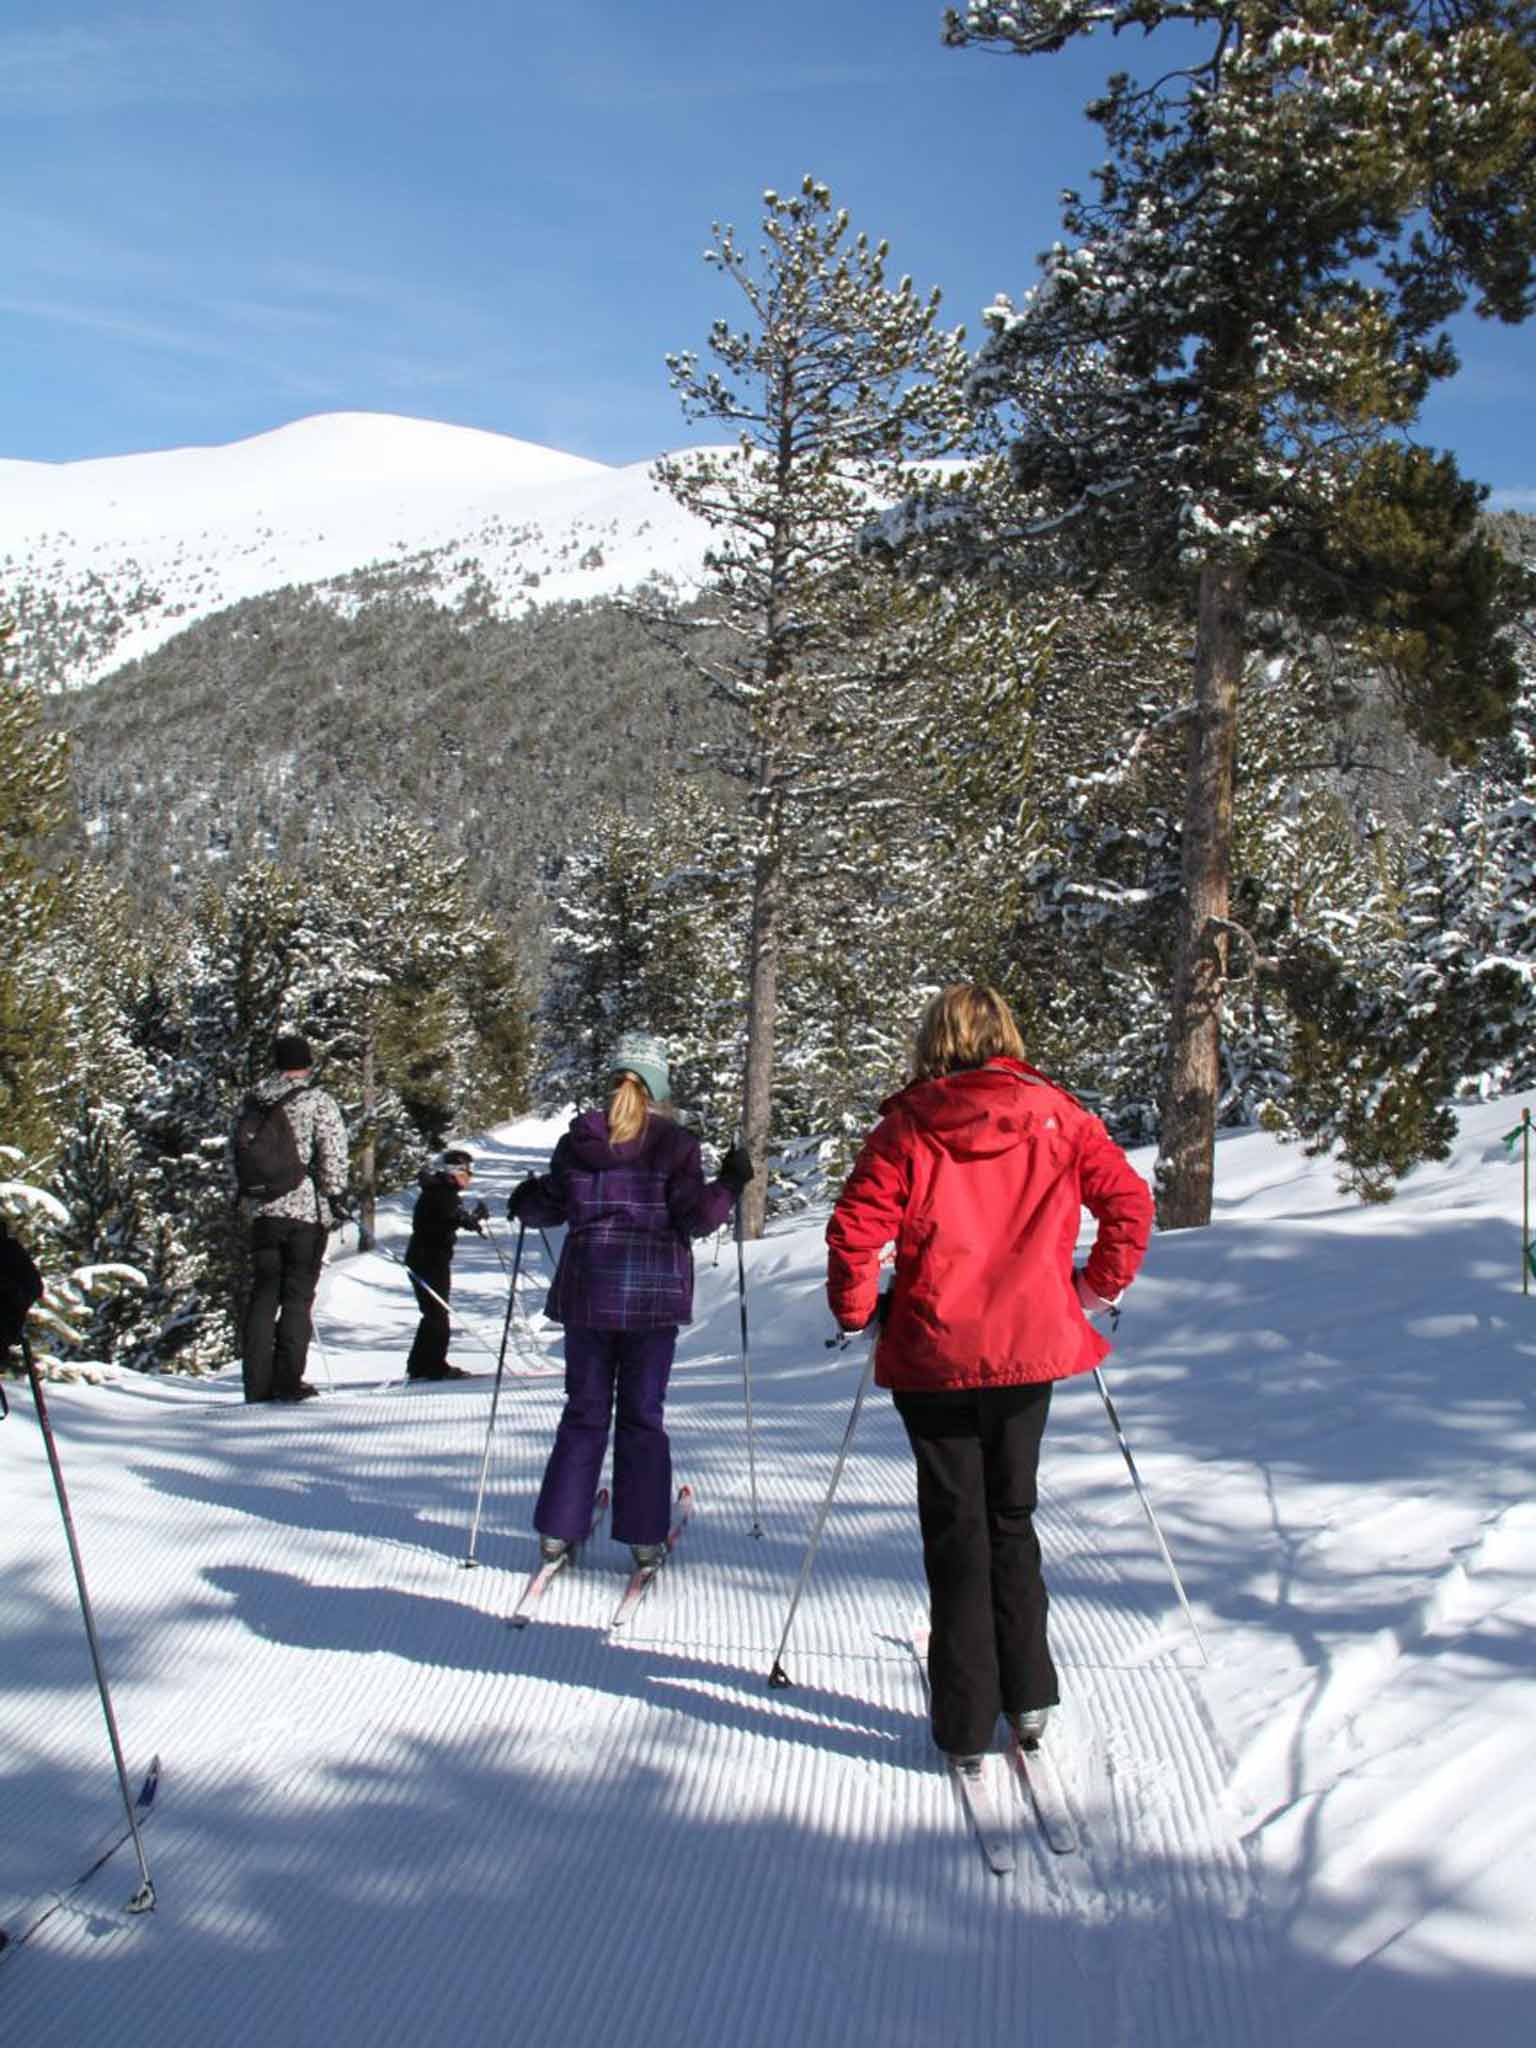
column 267, row 1162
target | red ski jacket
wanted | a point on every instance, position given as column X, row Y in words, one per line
column 981, row 1178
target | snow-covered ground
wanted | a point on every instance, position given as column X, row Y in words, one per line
column 129, row 550
column 387, row 1817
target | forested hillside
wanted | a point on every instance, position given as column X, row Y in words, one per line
column 289, row 716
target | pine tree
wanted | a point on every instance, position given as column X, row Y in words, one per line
column 1425, row 987
column 647, row 934
column 836, row 381
column 1213, row 380
column 34, row 782
column 414, row 998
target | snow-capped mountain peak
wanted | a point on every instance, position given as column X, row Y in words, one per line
column 104, row 560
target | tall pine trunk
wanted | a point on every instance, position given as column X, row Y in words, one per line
column 1187, row 1151
column 367, row 1151
column 769, row 884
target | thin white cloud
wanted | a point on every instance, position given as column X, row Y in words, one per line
column 167, row 339
column 57, row 252
column 615, row 88
column 292, row 368
column 333, row 282
column 1517, row 499
column 74, row 70
column 118, row 326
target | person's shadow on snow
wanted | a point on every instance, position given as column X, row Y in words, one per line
column 583, row 1662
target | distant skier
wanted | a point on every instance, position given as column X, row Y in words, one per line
column 440, row 1214
column 630, row 1185
column 290, row 1163
column 979, row 1170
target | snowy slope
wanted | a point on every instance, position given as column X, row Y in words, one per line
column 388, row 1818
column 107, row 559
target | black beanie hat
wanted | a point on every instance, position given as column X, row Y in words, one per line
column 457, row 1156
column 290, row 1053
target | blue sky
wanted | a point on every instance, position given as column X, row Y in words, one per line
column 223, row 216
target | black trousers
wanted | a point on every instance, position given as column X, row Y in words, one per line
column 286, row 1256
column 429, row 1347
column 978, row 1452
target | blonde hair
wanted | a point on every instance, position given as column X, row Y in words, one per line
column 628, row 1107
column 965, row 1025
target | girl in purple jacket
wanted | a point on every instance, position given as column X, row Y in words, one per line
column 629, row 1185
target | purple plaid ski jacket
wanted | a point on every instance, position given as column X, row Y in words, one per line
column 630, row 1210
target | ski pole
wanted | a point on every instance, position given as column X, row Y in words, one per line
column 494, row 1242
column 1141, row 1493
column 432, row 1295
column 143, row 1900
column 1521, row 1136
column 746, row 1367
column 778, row 1677
column 338, row 1221
column 485, row 1459
column 325, row 1360
column 314, row 1320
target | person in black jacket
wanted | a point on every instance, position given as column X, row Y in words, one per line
column 440, row 1213
column 20, row 1286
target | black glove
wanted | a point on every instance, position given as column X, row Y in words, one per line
column 736, row 1169
column 343, row 1206
column 479, row 1213
column 516, row 1196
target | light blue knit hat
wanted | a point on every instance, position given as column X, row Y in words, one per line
column 638, row 1052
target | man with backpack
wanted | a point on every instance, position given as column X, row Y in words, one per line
column 290, row 1158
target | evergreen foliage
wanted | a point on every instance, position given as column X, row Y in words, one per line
column 1210, row 383
column 261, row 730
column 33, row 808
column 647, row 934
column 833, row 385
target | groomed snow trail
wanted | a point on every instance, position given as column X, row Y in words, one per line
column 388, row 1817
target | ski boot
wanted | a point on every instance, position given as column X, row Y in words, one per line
column 1029, row 1726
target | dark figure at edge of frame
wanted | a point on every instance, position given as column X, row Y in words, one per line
column 979, row 1170
column 440, row 1213
column 21, row 1285
column 288, row 1232
column 629, row 1184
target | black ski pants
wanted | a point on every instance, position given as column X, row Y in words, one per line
column 286, row 1256
column 429, row 1347
column 978, row 1452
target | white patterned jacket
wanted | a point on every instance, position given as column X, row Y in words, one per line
column 321, row 1136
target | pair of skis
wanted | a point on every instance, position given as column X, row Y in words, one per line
column 640, row 1579
column 1036, row 1776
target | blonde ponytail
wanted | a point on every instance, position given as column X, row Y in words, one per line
column 628, row 1107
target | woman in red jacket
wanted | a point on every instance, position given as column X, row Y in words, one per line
column 979, row 1171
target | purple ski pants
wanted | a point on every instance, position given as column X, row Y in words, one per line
column 604, row 1367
